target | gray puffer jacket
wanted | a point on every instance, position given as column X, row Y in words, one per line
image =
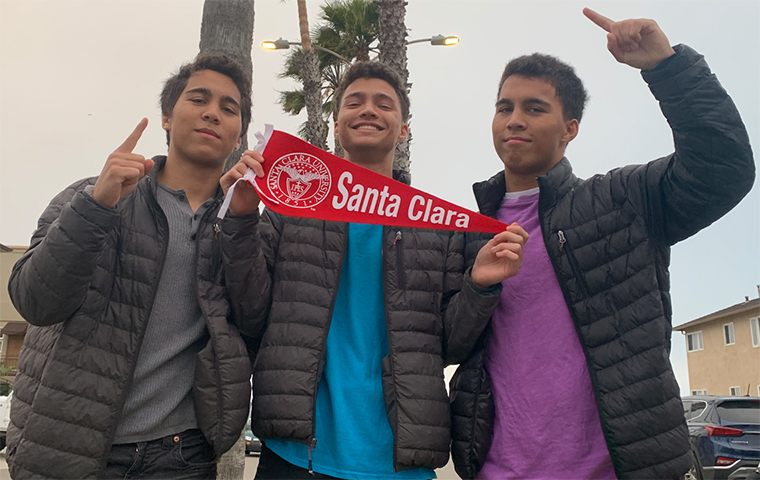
column 86, row 286
column 434, row 315
column 609, row 241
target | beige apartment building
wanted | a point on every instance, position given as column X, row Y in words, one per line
column 12, row 325
column 723, row 351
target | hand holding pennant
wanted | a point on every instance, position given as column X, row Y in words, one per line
column 303, row 181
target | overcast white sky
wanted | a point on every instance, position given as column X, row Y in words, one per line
column 77, row 76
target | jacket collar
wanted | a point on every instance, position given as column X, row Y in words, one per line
column 159, row 163
column 553, row 186
column 402, row 176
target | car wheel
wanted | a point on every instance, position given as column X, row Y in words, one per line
column 691, row 474
column 694, row 472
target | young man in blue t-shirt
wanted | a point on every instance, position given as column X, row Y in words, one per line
column 358, row 321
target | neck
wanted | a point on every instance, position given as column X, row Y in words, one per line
column 381, row 165
column 521, row 181
column 199, row 183
column 518, row 183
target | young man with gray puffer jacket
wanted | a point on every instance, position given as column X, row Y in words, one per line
column 133, row 361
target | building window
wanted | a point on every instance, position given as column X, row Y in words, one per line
column 694, row 341
column 728, row 333
column 754, row 324
column 735, row 391
column 699, row 392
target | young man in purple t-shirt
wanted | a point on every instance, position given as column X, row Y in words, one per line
column 576, row 360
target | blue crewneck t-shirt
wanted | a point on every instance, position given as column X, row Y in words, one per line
column 354, row 438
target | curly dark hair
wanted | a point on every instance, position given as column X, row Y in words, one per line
column 374, row 70
column 218, row 62
column 570, row 91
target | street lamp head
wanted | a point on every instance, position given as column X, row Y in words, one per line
column 279, row 44
column 441, row 40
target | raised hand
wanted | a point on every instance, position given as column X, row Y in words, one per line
column 500, row 258
column 122, row 170
column 245, row 199
column 638, row 42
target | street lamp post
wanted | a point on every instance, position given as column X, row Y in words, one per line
column 282, row 44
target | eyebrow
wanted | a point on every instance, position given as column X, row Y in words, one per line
column 378, row 95
column 528, row 101
column 207, row 92
column 506, row 101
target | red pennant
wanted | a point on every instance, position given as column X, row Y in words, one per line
column 302, row 180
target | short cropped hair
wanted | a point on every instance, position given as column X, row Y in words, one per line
column 569, row 88
column 374, row 69
column 218, row 62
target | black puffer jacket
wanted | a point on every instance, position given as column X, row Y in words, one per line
column 609, row 240
column 86, row 286
column 434, row 315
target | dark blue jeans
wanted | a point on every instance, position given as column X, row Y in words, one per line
column 186, row 455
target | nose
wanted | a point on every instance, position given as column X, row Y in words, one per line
column 516, row 120
column 212, row 114
column 368, row 110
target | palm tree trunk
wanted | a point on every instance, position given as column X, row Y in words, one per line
column 392, row 51
column 227, row 26
column 308, row 64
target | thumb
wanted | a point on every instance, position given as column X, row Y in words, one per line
column 149, row 163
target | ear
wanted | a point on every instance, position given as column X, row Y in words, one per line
column 403, row 133
column 335, row 130
column 571, row 130
column 238, row 143
column 166, row 122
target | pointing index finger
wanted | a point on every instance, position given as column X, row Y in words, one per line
column 598, row 19
column 131, row 142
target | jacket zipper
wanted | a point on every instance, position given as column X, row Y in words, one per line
column 573, row 263
column 594, row 379
column 399, row 260
column 320, row 368
column 399, row 268
column 311, row 447
column 153, row 205
column 216, row 260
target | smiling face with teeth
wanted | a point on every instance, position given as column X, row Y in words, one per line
column 370, row 124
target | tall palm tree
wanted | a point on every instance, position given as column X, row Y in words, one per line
column 392, row 46
column 349, row 28
column 228, row 27
column 307, row 63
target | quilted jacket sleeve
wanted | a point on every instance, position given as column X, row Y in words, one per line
column 49, row 282
column 248, row 250
column 467, row 307
column 712, row 168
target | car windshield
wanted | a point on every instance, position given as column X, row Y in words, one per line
column 740, row 411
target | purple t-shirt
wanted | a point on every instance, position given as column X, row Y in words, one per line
column 547, row 422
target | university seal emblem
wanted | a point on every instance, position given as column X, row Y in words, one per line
column 299, row 180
